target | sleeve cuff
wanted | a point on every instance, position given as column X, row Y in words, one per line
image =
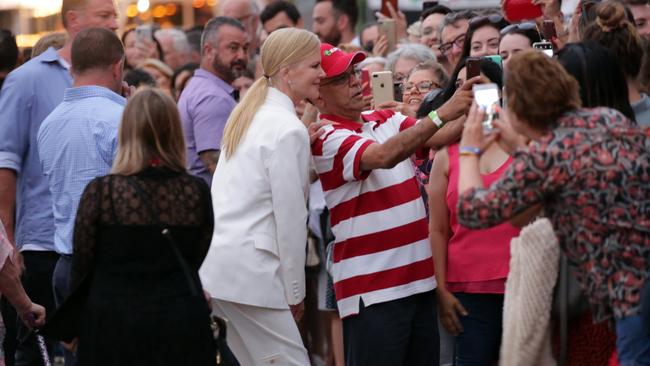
column 10, row 161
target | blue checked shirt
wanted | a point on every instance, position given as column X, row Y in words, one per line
column 76, row 143
column 28, row 95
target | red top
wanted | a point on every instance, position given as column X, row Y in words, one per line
column 477, row 260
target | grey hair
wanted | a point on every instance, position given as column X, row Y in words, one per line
column 413, row 51
column 255, row 9
column 453, row 18
column 371, row 60
column 179, row 39
column 435, row 68
column 212, row 27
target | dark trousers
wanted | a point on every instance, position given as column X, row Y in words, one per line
column 480, row 340
column 399, row 332
column 21, row 348
column 61, row 284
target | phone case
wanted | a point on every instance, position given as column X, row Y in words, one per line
column 388, row 28
column 473, row 67
column 382, row 87
column 516, row 10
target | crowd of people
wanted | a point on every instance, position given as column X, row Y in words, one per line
column 245, row 169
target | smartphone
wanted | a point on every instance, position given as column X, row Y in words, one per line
column 387, row 27
column 473, row 67
column 365, row 81
column 382, row 87
column 487, row 96
column 548, row 30
column 546, row 47
column 143, row 34
column 384, row 6
column 517, row 10
column 496, row 59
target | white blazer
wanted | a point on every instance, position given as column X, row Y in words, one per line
column 259, row 195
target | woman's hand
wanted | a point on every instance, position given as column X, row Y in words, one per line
column 381, row 46
column 32, row 315
column 400, row 20
column 507, row 138
column 297, row 311
column 316, row 130
column 473, row 135
column 449, row 309
column 550, row 8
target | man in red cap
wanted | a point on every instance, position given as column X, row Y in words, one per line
column 383, row 269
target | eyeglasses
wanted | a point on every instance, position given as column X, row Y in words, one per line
column 458, row 42
column 422, row 87
column 493, row 19
column 519, row 26
column 345, row 78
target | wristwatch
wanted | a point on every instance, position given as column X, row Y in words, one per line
column 433, row 115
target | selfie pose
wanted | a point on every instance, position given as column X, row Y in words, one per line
column 590, row 171
column 255, row 266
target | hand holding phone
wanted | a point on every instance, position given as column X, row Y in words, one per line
column 546, row 47
column 388, row 29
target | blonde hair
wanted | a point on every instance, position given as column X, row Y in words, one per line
column 150, row 129
column 282, row 48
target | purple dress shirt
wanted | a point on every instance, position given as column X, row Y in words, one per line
column 204, row 106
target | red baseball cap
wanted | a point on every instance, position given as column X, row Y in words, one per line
column 334, row 61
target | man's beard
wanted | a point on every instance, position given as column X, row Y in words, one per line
column 333, row 37
column 228, row 72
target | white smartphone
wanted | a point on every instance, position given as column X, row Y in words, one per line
column 143, row 34
column 387, row 27
column 382, row 87
column 546, row 47
column 487, row 97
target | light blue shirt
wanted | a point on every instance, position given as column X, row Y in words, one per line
column 76, row 143
column 642, row 110
column 28, row 95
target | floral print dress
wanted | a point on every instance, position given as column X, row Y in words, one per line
column 591, row 174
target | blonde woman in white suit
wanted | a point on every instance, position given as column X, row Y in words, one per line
column 254, row 269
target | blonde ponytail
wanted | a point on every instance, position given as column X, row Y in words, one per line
column 282, row 48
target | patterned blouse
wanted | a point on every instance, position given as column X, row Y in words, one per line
column 591, row 174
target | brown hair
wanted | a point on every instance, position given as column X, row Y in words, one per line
column 95, row 48
column 150, row 128
column 613, row 30
column 538, row 88
column 54, row 39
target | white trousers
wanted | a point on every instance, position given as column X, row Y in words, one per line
column 262, row 336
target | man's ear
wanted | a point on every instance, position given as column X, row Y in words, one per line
column 342, row 22
column 72, row 20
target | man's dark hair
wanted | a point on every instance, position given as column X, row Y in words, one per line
column 95, row 48
column 347, row 7
column 273, row 9
column 8, row 50
column 212, row 27
column 139, row 77
column 436, row 9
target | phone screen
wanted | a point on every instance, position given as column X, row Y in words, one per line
column 487, row 97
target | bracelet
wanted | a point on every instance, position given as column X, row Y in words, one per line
column 469, row 150
column 433, row 115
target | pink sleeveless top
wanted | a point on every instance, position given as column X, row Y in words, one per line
column 477, row 260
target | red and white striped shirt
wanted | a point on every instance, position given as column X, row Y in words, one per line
column 382, row 250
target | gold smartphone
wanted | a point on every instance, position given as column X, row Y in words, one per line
column 387, row 27
column 382, row 87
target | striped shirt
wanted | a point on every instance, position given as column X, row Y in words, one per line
column 381, row 252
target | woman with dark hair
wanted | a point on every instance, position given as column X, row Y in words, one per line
column 613, row 29
column 470, row 303
column 589, row 169
column 136, row 52
column 482, row 37
column 515, row 38
column 599, row 73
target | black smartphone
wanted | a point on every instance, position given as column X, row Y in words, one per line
column 548, row 30
column 473, row 67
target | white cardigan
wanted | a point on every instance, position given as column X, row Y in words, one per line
column 259, row 195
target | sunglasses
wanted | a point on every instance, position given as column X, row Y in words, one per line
column 519, row 26
column 492, row 19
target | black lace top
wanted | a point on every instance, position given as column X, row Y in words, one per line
column 117, row 237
